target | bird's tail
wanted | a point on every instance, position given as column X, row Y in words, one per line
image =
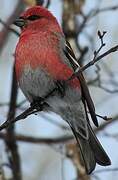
column 91, row 150
column 99, row 153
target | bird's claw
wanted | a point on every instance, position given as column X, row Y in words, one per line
column 38, row 103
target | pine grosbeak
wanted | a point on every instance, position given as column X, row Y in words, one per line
column 43, row 60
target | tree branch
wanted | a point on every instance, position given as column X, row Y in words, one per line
column 5, row 31
column 10, row 141
column 62, row 139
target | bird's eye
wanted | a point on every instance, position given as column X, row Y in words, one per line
column 33, row 17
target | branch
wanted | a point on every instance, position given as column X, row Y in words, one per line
column 105, row 170
column 91, row 63
column 105, row 124
column 107, row 89
column 34, row 108
column 61, row 139
column 35, row 140
column 12, row 149
column 97, row 11
column 23, row 115
column 5, row 31
column 92, row 13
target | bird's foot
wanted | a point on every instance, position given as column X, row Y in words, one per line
column 61, row 87
column 38, row 103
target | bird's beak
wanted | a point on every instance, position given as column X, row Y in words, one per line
column 20, row 22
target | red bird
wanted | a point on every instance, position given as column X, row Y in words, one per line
column 45, row 60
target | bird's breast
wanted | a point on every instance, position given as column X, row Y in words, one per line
column 35, row 83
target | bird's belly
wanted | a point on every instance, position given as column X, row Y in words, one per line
column 35, row 83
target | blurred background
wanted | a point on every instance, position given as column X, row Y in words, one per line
column 41, row 147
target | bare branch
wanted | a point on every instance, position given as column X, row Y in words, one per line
column 35, row 140
column 91, row 63
column 105, row 124
column 97, row 11
column 62, row 139
column 105, row 170
column 12, row 150
column 4, row 32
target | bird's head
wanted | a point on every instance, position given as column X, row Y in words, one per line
column 35, row 17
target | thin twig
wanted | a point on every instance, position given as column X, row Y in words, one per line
column 105, row 124
column 91, row 63
column 97, row 11
column 105, row 170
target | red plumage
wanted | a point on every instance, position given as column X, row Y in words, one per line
column 42, row 47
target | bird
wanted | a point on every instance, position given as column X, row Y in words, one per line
column 44, row 60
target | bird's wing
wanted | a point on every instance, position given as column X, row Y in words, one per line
column 86, row 97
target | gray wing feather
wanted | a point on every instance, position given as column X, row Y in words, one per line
column 85, row 91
